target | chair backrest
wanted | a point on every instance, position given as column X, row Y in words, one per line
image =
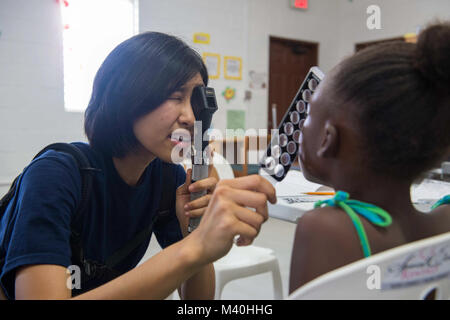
column 417, row 270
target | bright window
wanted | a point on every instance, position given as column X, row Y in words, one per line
column 91, row 29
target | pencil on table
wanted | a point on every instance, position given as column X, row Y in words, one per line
column 318, row 193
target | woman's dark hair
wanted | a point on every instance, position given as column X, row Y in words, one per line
column 402, row 95
column 135, row 78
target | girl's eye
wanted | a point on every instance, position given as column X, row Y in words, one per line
column 176, row 98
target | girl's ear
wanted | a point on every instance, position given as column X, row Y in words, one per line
column 330, row 143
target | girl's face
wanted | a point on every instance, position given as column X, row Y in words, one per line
column 313, row 134
column 155, row 129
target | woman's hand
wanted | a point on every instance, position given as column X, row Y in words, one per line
column 229, row 214
column 186, row 208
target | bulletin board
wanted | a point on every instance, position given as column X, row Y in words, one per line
column 212, row 62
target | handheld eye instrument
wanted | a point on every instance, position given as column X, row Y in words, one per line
column 204, row 105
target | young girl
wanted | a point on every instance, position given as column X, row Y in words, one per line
column 141, row 95
column 377, row 122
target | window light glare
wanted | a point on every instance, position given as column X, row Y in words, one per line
column 91, row 29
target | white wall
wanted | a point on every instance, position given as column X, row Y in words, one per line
column 225, row 21
column 31, row 67
column 31, row 84
column 398, row 17
column 276, row 18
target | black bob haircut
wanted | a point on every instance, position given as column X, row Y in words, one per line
column 135, row 78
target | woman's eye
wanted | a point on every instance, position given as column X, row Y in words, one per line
column 176, row 98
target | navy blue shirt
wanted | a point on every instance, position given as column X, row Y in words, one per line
column 37, row 231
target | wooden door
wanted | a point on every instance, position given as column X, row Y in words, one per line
column 289, row 62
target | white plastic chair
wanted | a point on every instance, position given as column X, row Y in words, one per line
column 412, row 271
column 247, row 261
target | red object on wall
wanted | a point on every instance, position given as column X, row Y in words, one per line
column 301, row 4
column 65, row 2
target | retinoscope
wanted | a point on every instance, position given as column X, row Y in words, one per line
column 204, row 105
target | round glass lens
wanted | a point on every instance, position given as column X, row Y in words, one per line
column 312, row 84
column 296, row 136
column 306, row 95
column 289, row 128
column 285, row 159
column 295, row 117
column 300, row 125
column 301, row 106
column 291, row 147
column 279, row 170
column 270, row 163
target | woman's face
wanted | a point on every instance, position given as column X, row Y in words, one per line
column 155, row 129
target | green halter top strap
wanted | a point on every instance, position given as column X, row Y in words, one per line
column 371, row 212
column 443, row 200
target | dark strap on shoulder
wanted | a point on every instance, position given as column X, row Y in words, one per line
column 83, row 164
column 9, row 195
column 85, row 170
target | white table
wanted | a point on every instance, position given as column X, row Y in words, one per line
column 292, row 204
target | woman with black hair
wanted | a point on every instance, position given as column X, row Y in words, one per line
column 141, row 96
column 379, row 120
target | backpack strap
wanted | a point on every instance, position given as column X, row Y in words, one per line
column 86, row 171
column 9, row 195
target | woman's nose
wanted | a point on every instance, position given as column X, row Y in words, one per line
column 187, row 117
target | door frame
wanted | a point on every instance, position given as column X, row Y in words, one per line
column 313, row 45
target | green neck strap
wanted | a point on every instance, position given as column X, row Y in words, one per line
column 444, row 200
column 372, row 213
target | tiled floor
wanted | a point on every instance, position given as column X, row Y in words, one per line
column 275, row 234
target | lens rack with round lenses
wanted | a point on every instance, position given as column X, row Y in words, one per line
column 283, row 148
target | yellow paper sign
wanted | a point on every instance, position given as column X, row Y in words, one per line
column 233, row 68
column 212, row 62
column 201, row 37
